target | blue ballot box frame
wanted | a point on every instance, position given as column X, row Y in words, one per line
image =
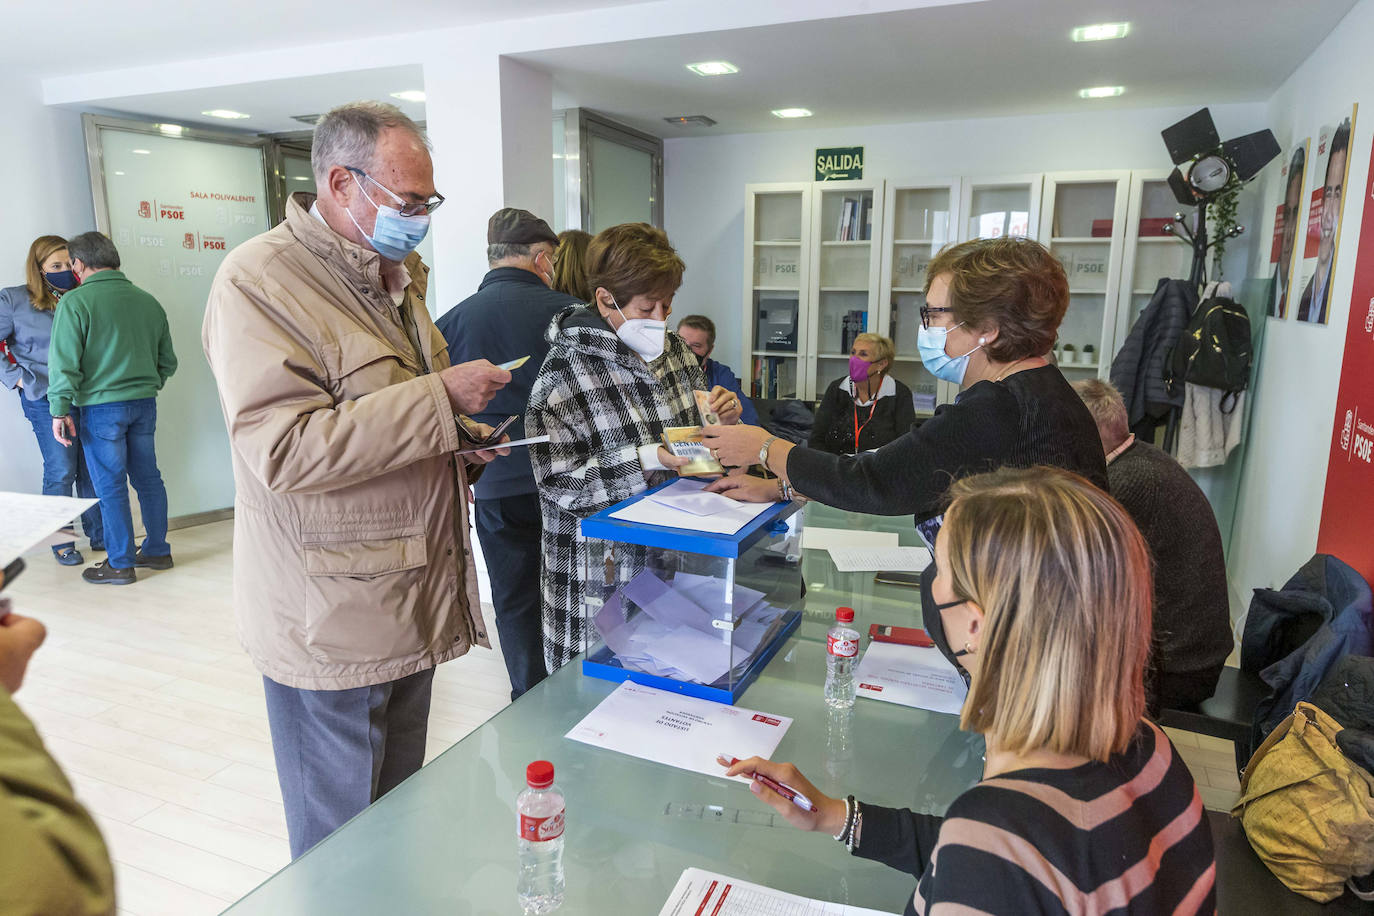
column 605, row 665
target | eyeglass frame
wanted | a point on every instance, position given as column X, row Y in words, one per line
column 928, row 310
column 406, row 208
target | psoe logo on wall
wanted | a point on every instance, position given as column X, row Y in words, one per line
column 211, row 243
column 189, row 241
column 190, row 270
column 171, row 211
column 1345, row 432
column 145, row 209
column 245, row 219
column 152, row 241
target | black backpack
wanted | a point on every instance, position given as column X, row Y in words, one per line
column 1213, row 351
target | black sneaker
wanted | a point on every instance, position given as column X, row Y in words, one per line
column 103, row 573
column 143, row 561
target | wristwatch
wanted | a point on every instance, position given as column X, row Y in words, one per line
column 763, row 451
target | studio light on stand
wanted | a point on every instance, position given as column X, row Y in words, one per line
column 1204, row 167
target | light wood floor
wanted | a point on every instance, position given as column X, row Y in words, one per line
column 144, row 696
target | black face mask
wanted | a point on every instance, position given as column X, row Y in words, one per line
column 935, row 624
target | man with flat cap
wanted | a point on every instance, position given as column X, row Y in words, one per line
column 503, row 321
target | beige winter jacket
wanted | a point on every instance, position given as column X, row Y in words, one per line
column 352, row 553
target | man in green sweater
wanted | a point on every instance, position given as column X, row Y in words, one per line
column 110, row 355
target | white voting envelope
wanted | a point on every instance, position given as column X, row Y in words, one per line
column 910, row 676
column 29, row 519
column 679, row 731
column 699, row 892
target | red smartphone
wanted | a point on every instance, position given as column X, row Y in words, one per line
column 906, row 636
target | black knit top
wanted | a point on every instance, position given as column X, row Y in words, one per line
column 1192, row 621
column 1032, row 417
column 879, row 423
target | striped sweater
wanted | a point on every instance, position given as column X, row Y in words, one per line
column 1125, row 836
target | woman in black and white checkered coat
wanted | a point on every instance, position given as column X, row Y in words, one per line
column 613, row 379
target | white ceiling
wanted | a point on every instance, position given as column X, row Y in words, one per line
column 1001, row 57
column 82, row 36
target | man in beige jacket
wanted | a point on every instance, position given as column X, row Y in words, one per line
column 353, row 572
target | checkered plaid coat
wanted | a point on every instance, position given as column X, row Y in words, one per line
column 597, row 401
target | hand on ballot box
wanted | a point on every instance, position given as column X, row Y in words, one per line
column 830, row 813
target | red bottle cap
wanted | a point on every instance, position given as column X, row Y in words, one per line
column 844, row 614
column 539, row 775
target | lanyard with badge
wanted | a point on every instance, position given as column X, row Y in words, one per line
column 857, row 427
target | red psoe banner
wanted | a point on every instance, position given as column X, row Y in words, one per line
column 1348, row 502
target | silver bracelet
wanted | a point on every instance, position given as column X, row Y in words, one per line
column 848, row 819
column 852, row 842
column 763, row 451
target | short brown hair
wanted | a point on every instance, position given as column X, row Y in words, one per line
column 1063, row 577
column 1108, row 409
column 633, row 259
column 1014, row 283
column 570, row 264
column 40, row 294
column 703, row 324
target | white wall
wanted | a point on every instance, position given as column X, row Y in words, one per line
column 46, row 191
column 1279, row 505
column 704, row 178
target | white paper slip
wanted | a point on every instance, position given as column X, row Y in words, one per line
column 679, row 731
column 910, row 676
column 26, row 519
column 873, row 559
column 682, row 504
column 699, row 892
column 825, row 538
column 532, row 440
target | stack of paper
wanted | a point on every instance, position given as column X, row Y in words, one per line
column 699, row 892
column 910, row 676
column 685, row 504
column 674, row 636
column 874, row 559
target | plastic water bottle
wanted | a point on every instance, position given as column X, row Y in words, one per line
column 842, row 645
column 539, row 884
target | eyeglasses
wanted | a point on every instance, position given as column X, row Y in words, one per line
column 927, row 311
column 405, row 207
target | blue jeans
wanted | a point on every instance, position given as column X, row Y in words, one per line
column 118, row 441
column 63, row 465
column 338, row 751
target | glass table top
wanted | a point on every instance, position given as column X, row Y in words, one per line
column 444, row 841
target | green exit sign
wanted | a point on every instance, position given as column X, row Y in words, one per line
column 840, row 164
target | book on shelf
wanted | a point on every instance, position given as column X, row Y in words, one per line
column 866, row 220
column 848, row 210
column 1102, row 229
column 774, row 377
column 854, row 323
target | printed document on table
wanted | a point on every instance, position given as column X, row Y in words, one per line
column 685, row 504
column 699, row 892
column 29, row 519
column 825, row 538
column 679, row 731
column 873, row 559
column 910, row 676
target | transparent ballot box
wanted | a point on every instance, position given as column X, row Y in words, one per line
column 691, row 609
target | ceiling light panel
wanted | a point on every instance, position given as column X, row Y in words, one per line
column 713, row 68
column 410, row 95
column 1102, row 31
column 227, row 114
column 1101, row 92
column 791, row 112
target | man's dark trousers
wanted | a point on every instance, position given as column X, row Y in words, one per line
column 509, row 530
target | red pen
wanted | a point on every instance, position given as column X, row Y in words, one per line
column 786, row 791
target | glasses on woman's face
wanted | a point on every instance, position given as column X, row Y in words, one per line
column 404, row 207
column 928, row 310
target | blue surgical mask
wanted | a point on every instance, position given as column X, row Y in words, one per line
column 930, row 343
column 393, row 236
column 61, row 280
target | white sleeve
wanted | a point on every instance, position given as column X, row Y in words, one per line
column 648, row 458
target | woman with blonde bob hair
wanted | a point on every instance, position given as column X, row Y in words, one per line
column 1043, row 583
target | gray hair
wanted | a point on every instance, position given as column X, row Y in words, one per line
column 1108, row 409
column 94, row 250
column 347, row 136
column 500, row 251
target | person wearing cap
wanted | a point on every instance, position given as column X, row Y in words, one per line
column 505, row 320
column 353, row 569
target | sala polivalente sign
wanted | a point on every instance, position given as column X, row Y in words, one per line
column 840, row 164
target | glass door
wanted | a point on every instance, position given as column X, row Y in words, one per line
column 1151, row 253
column 776, row 226
column 996, row 207
column 921, row 218
column 848, row 271
column 1083, row 223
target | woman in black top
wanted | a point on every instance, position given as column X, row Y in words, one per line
column 868, row 403
column 1084, row 805
column 993, row 307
